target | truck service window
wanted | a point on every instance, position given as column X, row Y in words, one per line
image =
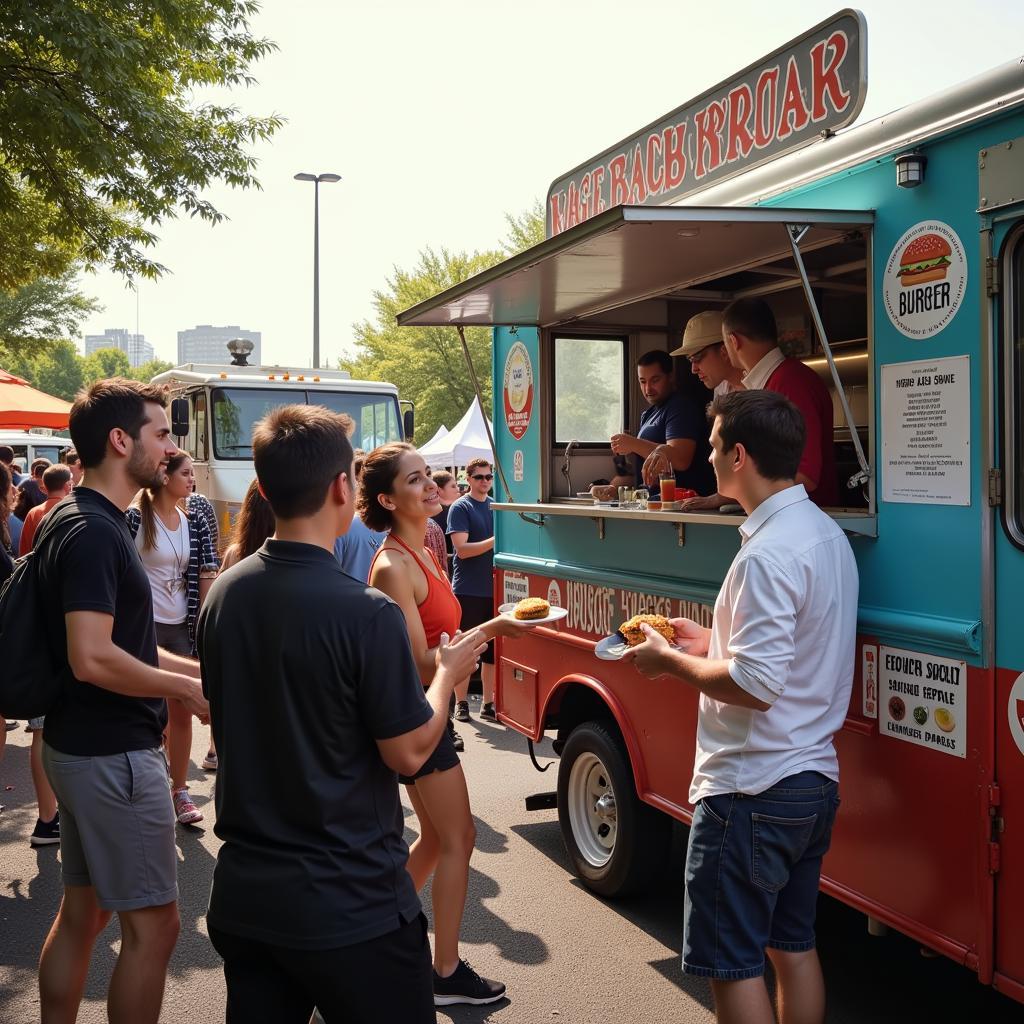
column 589, row 390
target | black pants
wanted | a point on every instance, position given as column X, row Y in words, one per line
column 389, row 978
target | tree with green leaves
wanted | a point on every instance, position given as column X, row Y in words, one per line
column 105, row 363
column 105, row 131
column 59, row 371
column 426, row 363
column 147, row 371
column 41, row 312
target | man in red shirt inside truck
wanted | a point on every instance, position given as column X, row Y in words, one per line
column 751, row 339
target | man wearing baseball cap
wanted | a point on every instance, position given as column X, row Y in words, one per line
column 705, row 349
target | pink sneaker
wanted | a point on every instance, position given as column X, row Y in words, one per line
column 186, row 811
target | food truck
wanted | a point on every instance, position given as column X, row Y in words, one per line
column 892, row 254
column 214, row 408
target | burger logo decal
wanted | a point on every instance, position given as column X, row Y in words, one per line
column 925, row 279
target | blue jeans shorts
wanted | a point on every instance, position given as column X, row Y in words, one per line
column 752, row 870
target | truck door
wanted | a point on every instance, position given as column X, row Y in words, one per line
column 1008, row 526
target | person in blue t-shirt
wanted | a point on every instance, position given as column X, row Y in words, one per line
column 674, row 420
column 355, row 550
column 471, row 528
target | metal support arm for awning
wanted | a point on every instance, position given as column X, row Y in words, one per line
column 487, row 426
column 796, row 232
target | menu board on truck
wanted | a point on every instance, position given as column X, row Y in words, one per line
column 926, row 432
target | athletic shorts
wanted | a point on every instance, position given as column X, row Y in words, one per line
column 173, row 637
column 116, row 826
column 477, row 610
column 752, row 870
column 442, row 759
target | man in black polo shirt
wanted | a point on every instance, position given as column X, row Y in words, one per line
column 316, row 704
column 101, row 740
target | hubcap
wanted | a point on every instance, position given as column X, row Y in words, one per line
column 591, row 804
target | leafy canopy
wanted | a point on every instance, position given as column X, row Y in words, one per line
column 426, row 363
column 102, row 133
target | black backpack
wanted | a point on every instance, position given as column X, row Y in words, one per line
column 32, row 679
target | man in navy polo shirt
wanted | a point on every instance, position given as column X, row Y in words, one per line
column 673, row 423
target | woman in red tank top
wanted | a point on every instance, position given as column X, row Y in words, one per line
column 399, row 496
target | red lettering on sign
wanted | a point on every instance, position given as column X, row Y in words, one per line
column 585, row 198
column 637, row 184
column 555, row 203
column 741, row 142
column 655, row 179
column 573, row 206
column 826, row 79
column 766, row 97
column 620, row 186
column 597, row 176
column 794, row 113
column 709, row 122
column 675, row 155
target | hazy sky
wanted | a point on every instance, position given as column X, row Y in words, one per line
column 441, row 116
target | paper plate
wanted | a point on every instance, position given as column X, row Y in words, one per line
column 611, row 648
column 552, row 616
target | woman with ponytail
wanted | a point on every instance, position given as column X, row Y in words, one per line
column 178, row 554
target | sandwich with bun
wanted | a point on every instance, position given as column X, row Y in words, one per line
column 925, row 259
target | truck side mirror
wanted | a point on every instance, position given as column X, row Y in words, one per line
column 409, row 423
column 179, row 417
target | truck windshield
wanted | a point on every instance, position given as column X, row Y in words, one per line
column 237, row 410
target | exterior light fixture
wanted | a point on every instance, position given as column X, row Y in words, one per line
column 910, row 169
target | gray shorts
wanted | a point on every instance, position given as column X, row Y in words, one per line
column 116, row 826
column 173, row 637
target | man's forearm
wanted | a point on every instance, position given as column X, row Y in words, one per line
column 116, row 670
column 178, row 663
column 471, row 549
column 711, row 677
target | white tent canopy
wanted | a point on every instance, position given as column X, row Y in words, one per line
column 466, row 440
column 442, row 432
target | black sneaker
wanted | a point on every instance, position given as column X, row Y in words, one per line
column 464, row 985
column 46, row 833
column 457, row 741
column 462, row 711
column 11, row 724
column 487, row 711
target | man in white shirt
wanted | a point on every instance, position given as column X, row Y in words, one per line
column 774, row 673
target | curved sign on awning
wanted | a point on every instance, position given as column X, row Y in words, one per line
column 803, row 91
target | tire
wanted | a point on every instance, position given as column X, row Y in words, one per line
column 616, row 843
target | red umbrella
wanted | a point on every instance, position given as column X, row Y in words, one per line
column 22, row 406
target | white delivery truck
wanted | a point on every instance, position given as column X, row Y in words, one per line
column 214, row 408
column 29, row 445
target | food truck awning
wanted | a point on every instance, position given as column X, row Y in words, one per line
column 627, row 254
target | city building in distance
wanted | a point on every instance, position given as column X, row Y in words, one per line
column 206, row 344
column 134, row 346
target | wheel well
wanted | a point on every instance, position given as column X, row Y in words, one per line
column 579, row 703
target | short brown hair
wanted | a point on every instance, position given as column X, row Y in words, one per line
column 109, row 405
column 473, row 464
column 55, row 477
column 753, row 318
column 442, row 478
column 71, row 457
column 298, row 450
column 768, row 425
column 38, row 467
column 379, row 472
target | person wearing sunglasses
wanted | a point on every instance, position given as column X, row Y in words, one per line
column 471, row 528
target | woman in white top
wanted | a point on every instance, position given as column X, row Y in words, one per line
column 177, row 552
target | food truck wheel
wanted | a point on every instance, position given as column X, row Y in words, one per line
column 613, row 839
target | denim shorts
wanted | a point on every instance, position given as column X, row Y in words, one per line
column 752, row 870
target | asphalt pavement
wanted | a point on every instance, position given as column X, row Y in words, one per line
column 566, row 956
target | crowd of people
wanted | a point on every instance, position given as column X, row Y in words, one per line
column 143, row 606
column 329, row 652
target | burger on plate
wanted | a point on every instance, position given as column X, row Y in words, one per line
column 925, row 259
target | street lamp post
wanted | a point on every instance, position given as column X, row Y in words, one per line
column 316, row 179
